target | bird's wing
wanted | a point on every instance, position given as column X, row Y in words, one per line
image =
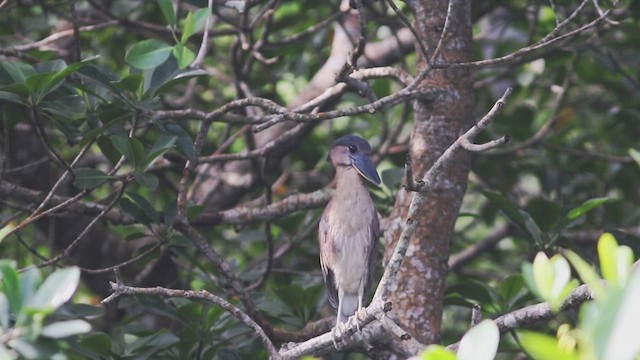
column 372, row 250
column 325, row 256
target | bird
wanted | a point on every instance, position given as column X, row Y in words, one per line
column 348, row 232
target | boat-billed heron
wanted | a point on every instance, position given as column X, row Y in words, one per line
column 348, row 231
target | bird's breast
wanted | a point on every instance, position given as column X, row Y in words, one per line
column 350, row 228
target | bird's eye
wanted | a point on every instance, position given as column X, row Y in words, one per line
column 353, row 148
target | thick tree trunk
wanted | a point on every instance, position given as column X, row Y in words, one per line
column 417, row 297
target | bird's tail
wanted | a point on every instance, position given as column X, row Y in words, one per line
column 349, row 307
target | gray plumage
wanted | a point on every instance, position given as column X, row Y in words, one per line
column 348, row 231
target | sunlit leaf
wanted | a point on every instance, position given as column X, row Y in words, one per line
column 615, row 261
column 480, row 342
column 544, row 347
column 586, row 207
column 56, row 289
column 586, row 273
column 436, row 352
column 63, row 329
column 188, row 27
column 6, row 230
column 635, row 155
column 4, row 312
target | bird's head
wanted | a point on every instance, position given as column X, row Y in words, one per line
column 353, row 151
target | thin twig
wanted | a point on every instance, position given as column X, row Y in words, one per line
column 119, row 289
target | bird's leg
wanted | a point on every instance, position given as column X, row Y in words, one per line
column 339, row 329
column 361, row 312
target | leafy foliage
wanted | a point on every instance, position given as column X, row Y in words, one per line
column 106, row 123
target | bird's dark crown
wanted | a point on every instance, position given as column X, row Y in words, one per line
column 353, row 140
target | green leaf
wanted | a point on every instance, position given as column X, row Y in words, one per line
column 40, row 84
column 620, row 315
column 301, row 301
column 615, row 261
column 544, row 347
column 180, row 78
column 436, row 352
column 97, row 342
column 200, row 17
column 27, row 349
column 63, row 329
column 545, row 213
column 14, row 97
column 169, row 13
column 162, row 145
column 184, row 141
column 19, row 72
column 586, row 207
column 532, row 228
column 157, row 77
column 30, row 280
column 607, row 246
column 146, row 206
column 4, row 312
column 56, row 289
column 476, row 292
column 481, row 342
column 19, row 89
column 130, row 83
column 133, row 209
column 511, row 290
column 510, row 209
column 11, row 285
column 147, row 180
column 88, row 178
column 6, row 230
column 586, row 273
column 148, row 53
column 184, row 55
column 187, row 27
column 550, row 279
column 635, row 155
column 130, row 148
column 107, row 148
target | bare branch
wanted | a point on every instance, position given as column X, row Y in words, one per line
column 204, row 45
column 533, row 314
column 288, row 205
column 120, row 289
column 60, row 35
column 525, row 50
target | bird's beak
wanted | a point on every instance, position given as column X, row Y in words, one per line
column 366, row 168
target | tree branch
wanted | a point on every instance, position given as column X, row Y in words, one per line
column 120, row 289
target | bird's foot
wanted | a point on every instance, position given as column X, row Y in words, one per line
column 360, row 315
column 337, row 334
